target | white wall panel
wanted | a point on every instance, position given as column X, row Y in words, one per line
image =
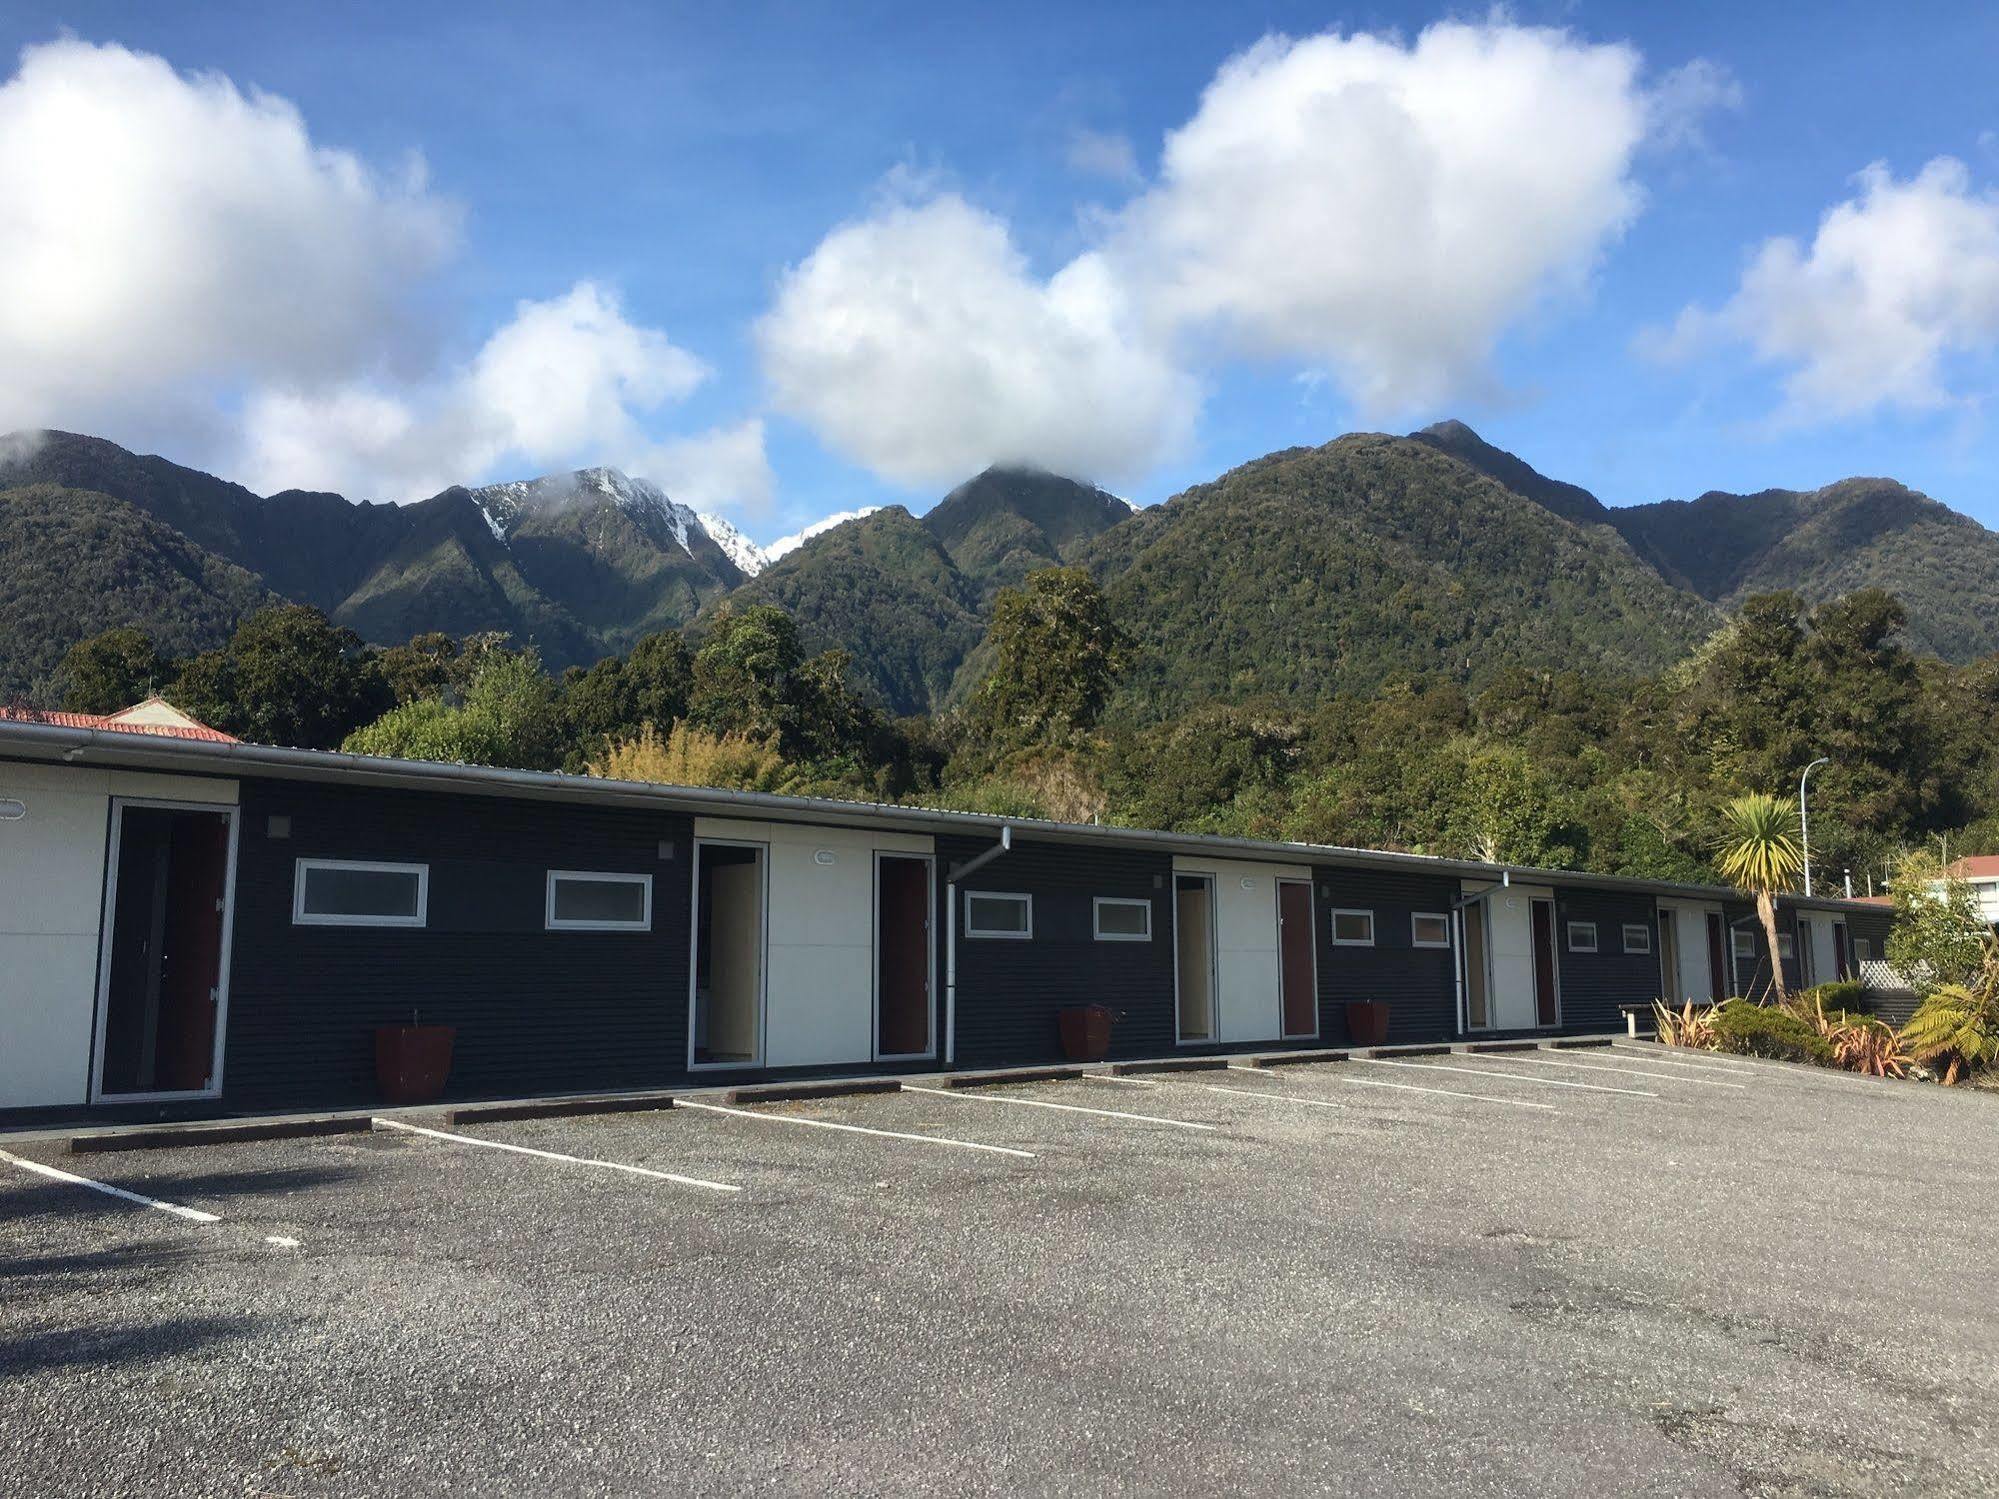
column 1251, row 1004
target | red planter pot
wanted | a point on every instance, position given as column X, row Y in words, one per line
column 1086, row 1032
column 413, row 1061
column 1367, row 1022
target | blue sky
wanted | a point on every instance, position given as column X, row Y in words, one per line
column 683, row 162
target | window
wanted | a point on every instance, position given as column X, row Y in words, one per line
column 1637, row 937
column 1353, row 928
column 340, row 892
column 1787, row 945
column 1429, row 929
column 1117, row 920
column 989, row 915
column 582, row 902
column 1863, row 950
column 1582, row 936
column 1745, row 945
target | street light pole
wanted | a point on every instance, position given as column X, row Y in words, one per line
column 1804, row 821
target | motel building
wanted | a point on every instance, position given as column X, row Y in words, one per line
column 194, row 926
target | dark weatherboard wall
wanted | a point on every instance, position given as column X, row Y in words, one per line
column 1419, row 984
column 536, row 1011
column 1593, row 985
column 1009, row 991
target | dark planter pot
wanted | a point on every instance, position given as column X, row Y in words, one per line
column 1367, row 1022
column 412, row 1061
column 1086, row 1032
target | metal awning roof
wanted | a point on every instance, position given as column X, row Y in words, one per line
column 138, row 751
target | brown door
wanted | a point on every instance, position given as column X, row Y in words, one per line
column 1717, row 957
column 902, row 958
column 191, row 959
column 1294, row 946
column 1546, row 1011
column 1842, row 950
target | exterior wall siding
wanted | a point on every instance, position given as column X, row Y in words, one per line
column 1593, row 985
column 535, row 1011
column 1419, row 984
column 1009, row 991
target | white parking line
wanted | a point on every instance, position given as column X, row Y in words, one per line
column 1518, row 1103
column 1245, row 1067
column 550, row 1155
column 1042, row 1103
column 853, row 1129
column 1122, row 1082
column 1658, row 1077
column 193, row 1215
column 1700, row 1066
column 1539, row 1082
column 1317, row 1103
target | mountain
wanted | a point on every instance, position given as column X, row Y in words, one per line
column 1857, row 533
column 1007, row 522
column 579, row 565
column 883, row 588
column 1326, row 569
column 1569, row 501
column 73, row 563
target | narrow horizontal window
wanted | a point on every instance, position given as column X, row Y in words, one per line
column 1430, row 929
column 1582, row 936
column 990, row 915
column 1117, row 920
column 1637, row 937
column 579, row 901
column 1353, row 928
column 1745, row 944
column 344, row 892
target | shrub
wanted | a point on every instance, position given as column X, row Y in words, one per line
column 1957, row 1028
column 1753, row 1030
column 1841, row 994
column 1686, row 1026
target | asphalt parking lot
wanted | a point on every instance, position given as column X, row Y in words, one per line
column 1618, row 1271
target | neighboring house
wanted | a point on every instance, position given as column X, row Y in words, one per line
column 153, row 716
column 1981, row 873
column 196, row 924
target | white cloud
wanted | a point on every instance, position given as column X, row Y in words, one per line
column 1386, row 211
column 788, row 544
column 565, row 381
column 726, row 469
column 1102, row 153
column 919, row 343
column 1376, row 211
column 1899, row 282
column 1686, row 98
column 161, row 231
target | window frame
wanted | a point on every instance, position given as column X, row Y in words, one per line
column 1644, row 931
column 1097, row 904
column 1021, row 897
column 1736, row 938
column 1417, row 941
column 1570, row 926
column 301, row 867
column 1333, row 924
column 1787, row 947
column 1863, row 950
column 553, row 923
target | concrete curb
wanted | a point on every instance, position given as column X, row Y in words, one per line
column 1168, row 1064
column 1294, row 1058
column 997, row 1075
column 1384, row 1053
column 1482, row 1048
column 794, row 1092
column 558, row 1108
column 1573, row 1043
column 225, row 1132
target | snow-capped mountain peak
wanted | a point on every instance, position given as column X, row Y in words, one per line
column 503, row 505
column 796, row 539
column 739, row 549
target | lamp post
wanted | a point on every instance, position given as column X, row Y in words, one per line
column 1804, row 821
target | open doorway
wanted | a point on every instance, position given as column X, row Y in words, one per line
column 729, row 944
column 163, row 975
column 1194, row 955
column 902, row 956
column 1478, row 977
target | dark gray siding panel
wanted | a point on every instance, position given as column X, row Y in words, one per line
column 536, row 1011
column 1419, row 983
column 1593, row 985
column 1887, row 995
column 1008, row 991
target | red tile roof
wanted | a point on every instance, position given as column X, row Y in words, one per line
column 1976, row 867
column 176, row 724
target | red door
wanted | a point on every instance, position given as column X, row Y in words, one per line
column 1294, row 946
column 191, row 954
column 902, row 958
column 1546, row 1010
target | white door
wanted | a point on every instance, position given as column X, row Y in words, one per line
column 1510, row 960
column 1251, row 1001
column 1689, row 925
column 1822, row 949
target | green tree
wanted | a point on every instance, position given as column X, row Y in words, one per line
column 742, row 678
column 288, row 676
column 429, row 666
column 1057, row 657
column 1507, row 810
column 1938, row 936
column 1760, row 858
column 509, row 716
column 111, row 671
